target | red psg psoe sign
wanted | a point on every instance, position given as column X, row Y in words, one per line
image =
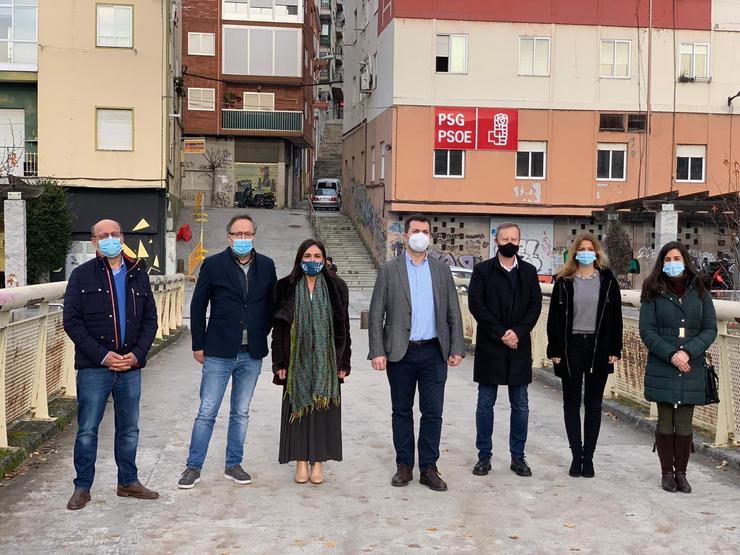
column 476, row 128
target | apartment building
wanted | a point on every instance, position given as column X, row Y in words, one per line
column 250, row 84
column 541, row 112
column 331, row 46
column 108, row 127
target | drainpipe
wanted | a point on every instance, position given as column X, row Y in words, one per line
column 649, row 99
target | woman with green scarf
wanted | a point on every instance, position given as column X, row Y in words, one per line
column 310, row 358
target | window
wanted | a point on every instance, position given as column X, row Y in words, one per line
column 637, row 123
column 615, row 58
column 202, row 44
column 611, row 161
column 203, row 100
column 694, row 61
column 262, row 51
column 449, row 163
column 531, row 160
column 18, row 35
column 115, row 26
column 611, row 122
column 452, row 54
column 534, row 56
column 264, row 10
column 382, row 160
column 115, row 129
column 372, row 164
column 690, row 163
column 264, row 102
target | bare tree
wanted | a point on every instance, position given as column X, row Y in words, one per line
column 215, row 159
column 10, row 156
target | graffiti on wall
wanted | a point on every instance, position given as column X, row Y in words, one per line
column 370, row 218
column 531, row 193
column 701, row 259
column 536, row 245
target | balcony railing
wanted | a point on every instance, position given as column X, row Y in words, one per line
column 30, row 164
column 258, row 120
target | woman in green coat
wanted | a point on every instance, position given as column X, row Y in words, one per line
column 677, row 324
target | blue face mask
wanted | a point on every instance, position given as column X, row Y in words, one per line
column 242, row 247
column 312, row 268
column 110, row 247
column 586, row 257
column 673, row 268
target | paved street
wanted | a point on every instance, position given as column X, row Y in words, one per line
column 356, row 510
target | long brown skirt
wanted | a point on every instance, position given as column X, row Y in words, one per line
column 317, row 437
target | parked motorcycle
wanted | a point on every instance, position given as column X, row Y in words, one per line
column 249, row 198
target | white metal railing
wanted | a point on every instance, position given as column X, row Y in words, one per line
column 723, row 419
column 37, row 357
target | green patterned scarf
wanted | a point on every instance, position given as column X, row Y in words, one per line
column 312, row 371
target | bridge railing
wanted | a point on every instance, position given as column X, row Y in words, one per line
column 721, row 420
column 37, row 357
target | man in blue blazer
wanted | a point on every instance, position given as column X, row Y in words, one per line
column 238, row 284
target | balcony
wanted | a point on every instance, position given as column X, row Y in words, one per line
column 262, row 120
column 325, row 6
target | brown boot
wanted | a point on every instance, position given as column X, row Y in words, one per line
column 79, row 499
column 136, row 490
column 682, row 451
column 664, row 445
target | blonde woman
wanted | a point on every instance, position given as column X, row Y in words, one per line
column 584, row 333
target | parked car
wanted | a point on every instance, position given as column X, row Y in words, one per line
column 461, row 277
column 326, row 198
column 327, row 183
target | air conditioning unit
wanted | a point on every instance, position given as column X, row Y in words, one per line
column 366, row 77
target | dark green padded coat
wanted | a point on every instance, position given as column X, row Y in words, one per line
column 660, row 320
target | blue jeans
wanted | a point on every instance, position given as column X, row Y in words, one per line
column 484, row 419
column 243, row 370
column 426, row 367
column 94, row 386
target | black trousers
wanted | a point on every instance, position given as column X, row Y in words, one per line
column 580, row 356
column 425, row 367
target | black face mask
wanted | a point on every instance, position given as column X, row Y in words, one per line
column 508, row 250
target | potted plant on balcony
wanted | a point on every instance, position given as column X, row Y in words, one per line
column 231, row 100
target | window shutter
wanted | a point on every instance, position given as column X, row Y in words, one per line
column 115, row 129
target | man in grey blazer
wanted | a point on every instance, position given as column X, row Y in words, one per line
column 415, row 332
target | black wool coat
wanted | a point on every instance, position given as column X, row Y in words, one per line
column 496, row 308
column 284, row 303
column 608, row 323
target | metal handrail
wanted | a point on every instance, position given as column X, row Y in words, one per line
column 37, row 357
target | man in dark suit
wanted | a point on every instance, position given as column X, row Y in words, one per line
column 415, row 331
column 238, row 284
column 505, row 299
column 111, row 317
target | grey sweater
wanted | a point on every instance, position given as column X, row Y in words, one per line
column 585, row 304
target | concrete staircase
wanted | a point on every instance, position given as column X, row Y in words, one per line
column 343, row 243
column 329, row 163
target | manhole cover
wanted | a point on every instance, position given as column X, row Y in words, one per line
column 295, row 226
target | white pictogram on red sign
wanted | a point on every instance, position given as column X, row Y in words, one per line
column 500, row 133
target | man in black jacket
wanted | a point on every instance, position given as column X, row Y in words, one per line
column 110, row 316
column 505, row 299
column 238, row 284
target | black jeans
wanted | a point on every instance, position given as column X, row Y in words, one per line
column 580, row 355
column 426, row 367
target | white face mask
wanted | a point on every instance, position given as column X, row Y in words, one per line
column 419, row 242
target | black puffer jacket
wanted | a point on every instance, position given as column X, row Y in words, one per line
column 91, row 312
column 608, row 321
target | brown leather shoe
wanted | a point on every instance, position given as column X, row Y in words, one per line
column 136, row 490
column 431, row 478
column 79, row 499
column 402, row 477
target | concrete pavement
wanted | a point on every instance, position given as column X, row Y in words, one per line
column 622, row 510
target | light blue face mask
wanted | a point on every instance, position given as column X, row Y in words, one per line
column 110, row 247
column 312, row 268
column 586, row 257
column 242, row 247
column 673, row 268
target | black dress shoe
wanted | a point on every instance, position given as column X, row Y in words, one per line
column 588, row 468
column 431, row 478
column 402, row 477
column 520, row 466
column 576, row 467
column 483, row 466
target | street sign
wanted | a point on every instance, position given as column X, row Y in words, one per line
column 194, row 146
